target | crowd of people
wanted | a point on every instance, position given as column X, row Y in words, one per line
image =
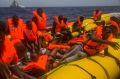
column 29, row 50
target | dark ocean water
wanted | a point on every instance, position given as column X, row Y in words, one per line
column 70, row 12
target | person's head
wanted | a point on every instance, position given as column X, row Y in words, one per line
column 34, row 57
column 65, row 20
column 20, row 49
column 106, row 32
column 40, row 11
column 2, row 31
column 66, row 34
column 57, row 38
column 29, row 25
column 107, row 29
column 60, row 18
column 34, row 19
column 75, row 26
column 81, row 18
column 15, row 20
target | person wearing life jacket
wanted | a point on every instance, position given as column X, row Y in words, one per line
column 8, row 52
column 56, row 47
column 37, row 66
column 82, row 38
column 97, row 14
column 30, row 34
column 16, row 29
column 41, row 18
column 76, row 26
column 59, row 23
column 100, row 40
column 58, row 42
column 95, row 44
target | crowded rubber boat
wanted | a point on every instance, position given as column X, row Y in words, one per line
column 88, row 48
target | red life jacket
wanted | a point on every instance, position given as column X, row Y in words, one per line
column 97, row 16
column 82, row 38
column 60, row 26
column 40, row 64
column 53, row 46
column 41, row 20
column 31, row 34
column 16, row 32
column 8, row 52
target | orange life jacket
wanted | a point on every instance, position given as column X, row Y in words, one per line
column 8, row 52
column 103, row 46
column 40, row 64
column 97, row 16
column 41, row 20
column 42, row 61
column 92, row 47
column 60, row 25
column 15, row 41
column 45, row 35
column 31, row 65
column 82, row 38
column 31, row 34
column 16, row 32
column 53, row 46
